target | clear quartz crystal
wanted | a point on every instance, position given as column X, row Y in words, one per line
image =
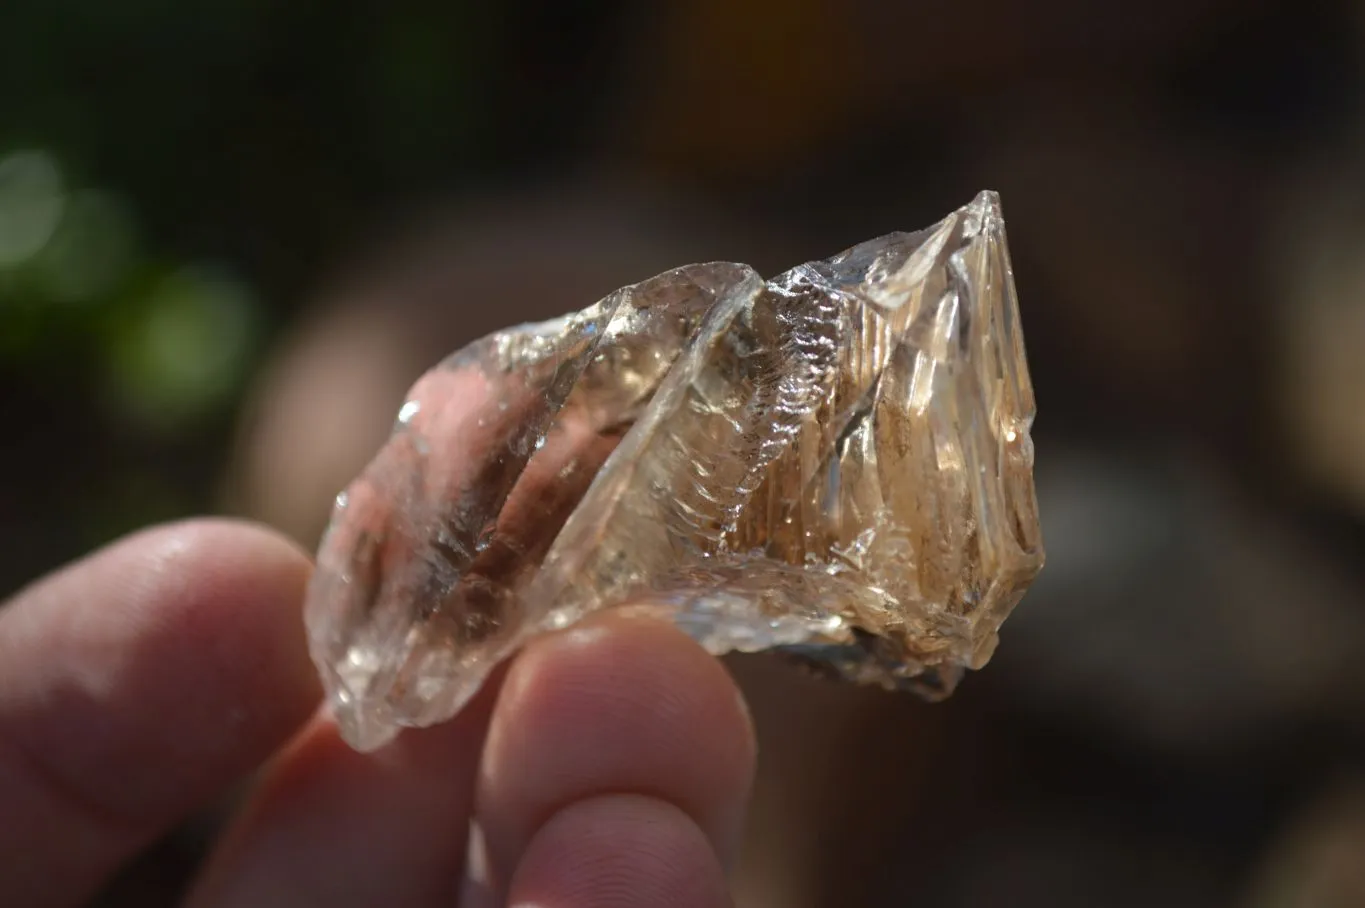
column 834, row 464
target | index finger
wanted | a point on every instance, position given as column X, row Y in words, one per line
column 136, row 684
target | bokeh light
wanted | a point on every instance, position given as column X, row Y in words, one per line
column 181, row 350
column 32, row 198
column 91, row 251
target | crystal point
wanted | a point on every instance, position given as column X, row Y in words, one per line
column 834, row 464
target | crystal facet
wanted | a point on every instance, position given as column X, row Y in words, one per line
column 834, row 464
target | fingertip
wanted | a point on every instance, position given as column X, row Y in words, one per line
column 620, row 704
column 231, row 594
column 143, row 679
column 619, row 850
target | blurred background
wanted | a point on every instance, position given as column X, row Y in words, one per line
column 233, row 232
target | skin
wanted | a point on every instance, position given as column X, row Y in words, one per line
column 608, row 765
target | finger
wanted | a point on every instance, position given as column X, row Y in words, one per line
column 331, row 826
column 621, row 705
column 619, row 851
column 136, row 684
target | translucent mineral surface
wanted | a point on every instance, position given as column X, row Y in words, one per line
column 834, row 464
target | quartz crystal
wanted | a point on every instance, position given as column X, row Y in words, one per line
column 834, row 464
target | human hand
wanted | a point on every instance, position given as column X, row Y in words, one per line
column 609, row 765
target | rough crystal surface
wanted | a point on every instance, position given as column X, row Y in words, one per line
column 834, row 464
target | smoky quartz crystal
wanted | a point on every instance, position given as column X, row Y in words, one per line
column 834, row 464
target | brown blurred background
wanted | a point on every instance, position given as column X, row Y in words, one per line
column 233, row 232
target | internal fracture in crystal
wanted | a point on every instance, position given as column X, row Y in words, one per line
column 834, row 464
